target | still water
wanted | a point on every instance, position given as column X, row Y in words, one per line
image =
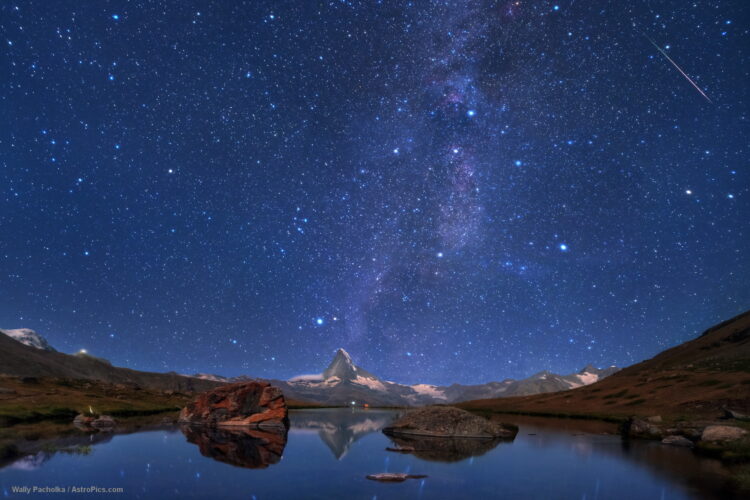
column 328, row 453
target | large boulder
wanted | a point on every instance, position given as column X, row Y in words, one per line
column 722, row 433
column 446, row 421
column 244, row 404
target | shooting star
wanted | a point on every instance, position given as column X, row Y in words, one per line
column 678, row 68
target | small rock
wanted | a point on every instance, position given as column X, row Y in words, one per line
column 643, row 429
column 656, row 419
column 722, row 433
column 735, row 415
column 104, row 421
column 394, row 477
column 82, row 419
column 677, row 441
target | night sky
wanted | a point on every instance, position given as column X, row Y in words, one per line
column 453, row 191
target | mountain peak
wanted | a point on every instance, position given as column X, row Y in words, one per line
column 30, row 338
column 342, row 366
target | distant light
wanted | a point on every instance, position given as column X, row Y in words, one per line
column 563, row 247
column 395, row 151
column 116, row 17
column 408, row 354
column 440, row 255
column 319, row 321
column 82, row 351
column 518, row 163
column 730, row 196
column 556, row 7
column 171, row 171
column 471, row 113
column 111, row 78
column 455, row 150
column 354, row 403
column 688, row 191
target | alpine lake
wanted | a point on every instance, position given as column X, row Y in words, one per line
column 327, row 454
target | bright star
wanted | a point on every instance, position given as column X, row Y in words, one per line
column 319, row 321
column 563, row 247
column 471, row 113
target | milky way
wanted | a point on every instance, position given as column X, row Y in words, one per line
column 452, row 191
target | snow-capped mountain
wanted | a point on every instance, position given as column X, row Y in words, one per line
column 29, row 338
column 343, row 382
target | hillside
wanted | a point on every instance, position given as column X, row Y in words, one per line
column 696, row 379
column 21, row 360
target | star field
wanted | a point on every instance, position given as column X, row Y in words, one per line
column 453, row 191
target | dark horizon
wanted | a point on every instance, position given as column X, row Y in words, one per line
column 456, row 192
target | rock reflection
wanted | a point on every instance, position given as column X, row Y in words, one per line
column 436, row 449
column 249, row 448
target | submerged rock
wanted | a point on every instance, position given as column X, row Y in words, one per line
column 244, row 404
column 393, row 477
column 722, row 433
column 677, row 441
column 446, row 421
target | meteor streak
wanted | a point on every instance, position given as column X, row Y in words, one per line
column 678, row 68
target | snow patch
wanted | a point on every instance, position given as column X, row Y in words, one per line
column 429, row 390
column 372, row 383
column 314, row 377
column 587, row 378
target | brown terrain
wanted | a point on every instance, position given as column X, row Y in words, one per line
column 696, row 380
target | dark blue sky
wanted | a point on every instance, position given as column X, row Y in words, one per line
column 454, row 191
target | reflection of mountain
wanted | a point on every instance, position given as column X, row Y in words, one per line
column 249, row 448
column 340, row 429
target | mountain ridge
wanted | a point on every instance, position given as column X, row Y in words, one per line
column 341, row 383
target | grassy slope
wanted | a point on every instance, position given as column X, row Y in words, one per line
column 54, row 398
column 694, row 380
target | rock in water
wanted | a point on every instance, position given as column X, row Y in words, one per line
column 393, row 477
column 677, row 441
column 104, row 421
column 638, row 428
column 722, row 433
column 245, row 404
column 446, row 421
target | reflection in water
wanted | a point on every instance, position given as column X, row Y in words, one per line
column 446, row 449
column 340, row 429
column 249, row 448
column 549, row 458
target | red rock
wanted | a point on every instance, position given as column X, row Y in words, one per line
column 244, row 404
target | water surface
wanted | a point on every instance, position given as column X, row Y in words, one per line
column 328, row 453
